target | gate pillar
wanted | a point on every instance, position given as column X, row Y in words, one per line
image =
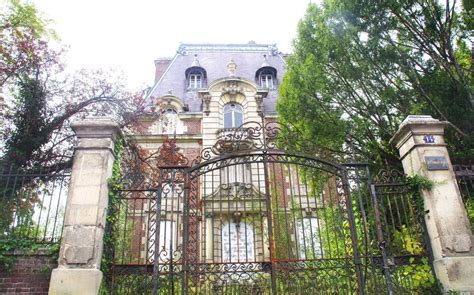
column 80, row 255
column 420, row 141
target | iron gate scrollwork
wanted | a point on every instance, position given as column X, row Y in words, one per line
column 249, row 216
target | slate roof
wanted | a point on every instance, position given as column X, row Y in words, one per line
column 214, row 59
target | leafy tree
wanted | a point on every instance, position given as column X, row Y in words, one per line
column 44, row 99
column 359, row 68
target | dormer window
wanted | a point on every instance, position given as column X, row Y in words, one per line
column 233, row 115
column 266, row 80
column 195, row 76
column 266, row 77
column 195, row 81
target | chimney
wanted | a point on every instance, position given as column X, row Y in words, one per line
column 160, row 66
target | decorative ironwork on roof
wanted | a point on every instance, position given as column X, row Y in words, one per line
column 186, row 48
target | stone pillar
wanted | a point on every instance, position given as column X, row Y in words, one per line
column 420, row 141
column 82, row 241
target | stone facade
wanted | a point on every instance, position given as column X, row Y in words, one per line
column 189, row 98
column 192, row 87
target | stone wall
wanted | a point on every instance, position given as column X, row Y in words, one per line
column 30, row 274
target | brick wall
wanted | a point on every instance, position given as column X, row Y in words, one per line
column 30, row 274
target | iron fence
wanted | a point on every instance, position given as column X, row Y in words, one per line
column 33, row 204
column 247, row 217
column 465, row 179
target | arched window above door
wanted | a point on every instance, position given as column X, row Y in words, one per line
column 233, row 115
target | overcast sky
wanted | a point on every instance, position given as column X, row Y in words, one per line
column 129, row 35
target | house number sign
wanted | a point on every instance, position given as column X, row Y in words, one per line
column 429, row 139
column 436, row 163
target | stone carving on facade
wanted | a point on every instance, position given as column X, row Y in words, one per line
column 259, row 100
column 232, row 88
column 231, row 67
column 206, row 99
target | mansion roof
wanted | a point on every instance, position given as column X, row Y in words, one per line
column 249, row 58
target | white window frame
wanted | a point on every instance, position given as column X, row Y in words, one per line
column 195, row 81
column 266, row 80
column 239, row 173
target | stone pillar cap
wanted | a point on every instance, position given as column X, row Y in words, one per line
column 96, row 127
column 413, row 121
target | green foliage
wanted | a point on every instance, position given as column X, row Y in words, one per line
column 418, row 183
column 11, row 244
column 29, row 118
column 359, row 68
column 419, row 273
column 470, row 212
column 110, row 236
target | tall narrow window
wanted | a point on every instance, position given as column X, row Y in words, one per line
column 233, row 115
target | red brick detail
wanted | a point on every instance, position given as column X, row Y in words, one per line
column 193, row 126
column 191, row 153
column 160, row 67
column 30, row 274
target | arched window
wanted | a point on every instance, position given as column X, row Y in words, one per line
column 168, row 121
column 233, row 115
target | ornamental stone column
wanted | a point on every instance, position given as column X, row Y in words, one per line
column 420, row 141
column 82, row 240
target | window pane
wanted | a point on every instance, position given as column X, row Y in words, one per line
column 233, row 116
column 166, row 240
column 195, row 81
column 168, row 122
column 266, row 81
column 309, row 244
column 228, row 120
column 237, row 242
column 238, row 120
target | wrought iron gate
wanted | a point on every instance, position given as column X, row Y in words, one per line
column 248, row 216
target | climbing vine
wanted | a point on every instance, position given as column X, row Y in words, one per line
column 418, row 183
column 110, row 239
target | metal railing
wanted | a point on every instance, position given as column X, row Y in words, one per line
column 33, row 204
column 233, row 134
column 465, row 179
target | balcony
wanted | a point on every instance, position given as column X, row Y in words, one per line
column 233, row 134
column 234, row 139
